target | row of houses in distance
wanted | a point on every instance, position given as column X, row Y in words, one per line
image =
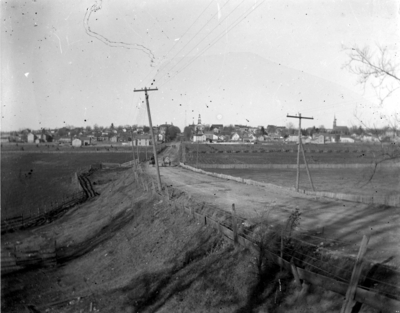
column 244, row 133
column 79, row 136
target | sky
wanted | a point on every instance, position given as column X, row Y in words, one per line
column 78, row 62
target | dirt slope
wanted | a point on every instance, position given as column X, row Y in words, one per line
column 129, row 251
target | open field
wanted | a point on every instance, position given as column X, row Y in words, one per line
column 386, row 181
column 30, row 181
column 54, row 147
column 282, row 146
column 280, row 154
column 278, row 158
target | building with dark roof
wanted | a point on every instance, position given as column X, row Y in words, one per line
column 343, row 130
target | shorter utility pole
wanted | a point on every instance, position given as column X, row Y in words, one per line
column 197, row 158
column 300, row 147
column 133, row 152
column 137, row 152
column 152, row 133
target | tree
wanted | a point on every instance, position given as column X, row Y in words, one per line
column 187, row 133
column 146, row 129
column 290, row 128
column 63, row 132
column 228, row 130
column 171, row 133
column 379, row 69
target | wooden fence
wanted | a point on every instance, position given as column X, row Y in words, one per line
column 362, row 295
column 294, row 166
column 14, row 258
column 31, row 219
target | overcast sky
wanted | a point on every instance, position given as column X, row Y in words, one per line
column 77, row 62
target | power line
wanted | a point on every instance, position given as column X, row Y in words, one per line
column 163, row 66
column 206, row 36
column 195, row 35
column 233, row 25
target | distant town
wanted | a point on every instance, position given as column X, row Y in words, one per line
column 201, row 133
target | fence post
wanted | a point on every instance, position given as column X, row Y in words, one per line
column 166, row 191
column 295, row 273
column 355, row 276
column 192, row 212
column 143, row 184
column 234, row 225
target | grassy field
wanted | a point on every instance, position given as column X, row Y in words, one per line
column 386, row 181
column 54, row 147
column 278, row 158
column 29, row 181
column 280, row 154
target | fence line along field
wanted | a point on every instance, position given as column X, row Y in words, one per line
column 365, row 180
column 32, row 181
column 362, row 181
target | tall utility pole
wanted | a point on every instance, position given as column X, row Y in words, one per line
column 298, row 153
column 152, row 132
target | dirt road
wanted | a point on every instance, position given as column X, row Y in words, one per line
column 339, row 220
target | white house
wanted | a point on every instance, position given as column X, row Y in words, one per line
column 76, row 142
column 346, row 139
column 31, row 138
column 319, row 139
column 210, row 136
column 368, row 138
column 235, row 137
column 199, row 138
column 292, row 138
column 142, row 140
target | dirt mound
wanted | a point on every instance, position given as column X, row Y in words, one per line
column 142, row 254
column 134, row 251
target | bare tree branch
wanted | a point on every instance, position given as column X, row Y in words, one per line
column 375, row 68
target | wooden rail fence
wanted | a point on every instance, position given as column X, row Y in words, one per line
column 360, row 294
column 25, row 221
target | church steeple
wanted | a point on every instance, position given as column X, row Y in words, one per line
column 334, row 122
column 199, row 121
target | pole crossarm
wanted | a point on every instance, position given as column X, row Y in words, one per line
column 301, row 117
column 145, row 89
